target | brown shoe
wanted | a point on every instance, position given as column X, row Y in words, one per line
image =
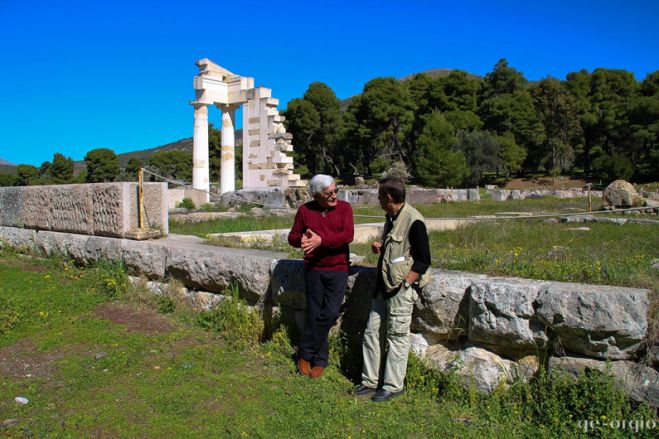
column 317, row 371
column 304, row 367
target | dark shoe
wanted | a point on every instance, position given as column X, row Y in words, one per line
column 385, row 395
column 316, row 372
column 362, row 390
column 304, row 367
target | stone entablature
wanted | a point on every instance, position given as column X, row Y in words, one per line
column 265, row 140
column 103, row 209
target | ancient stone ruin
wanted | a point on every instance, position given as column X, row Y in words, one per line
column 101, row 209
column 265, row 140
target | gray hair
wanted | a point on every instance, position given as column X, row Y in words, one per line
column 319, row 183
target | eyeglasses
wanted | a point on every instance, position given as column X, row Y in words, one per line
column 330, row 193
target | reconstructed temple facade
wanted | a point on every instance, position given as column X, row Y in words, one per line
column 265, row 140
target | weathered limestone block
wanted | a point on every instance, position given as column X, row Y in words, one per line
column 145, row 258
column 10, row 206
column 68, row 244
column 501, row 313
column 441, row 312
column 105, row 209
column 108, row 208
column 35, row 207
column 499, row 194
column 18, row 238
column 287, row 284
column 640, row 382
column 479, row 367
column 70, row 208
column 419, row 344
column 274, row 197
column 621, row 193
column 359, row 297
column 595, row 320
column 99, row 248
column 213, row 269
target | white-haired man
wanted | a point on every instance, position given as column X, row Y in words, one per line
column 323, row 228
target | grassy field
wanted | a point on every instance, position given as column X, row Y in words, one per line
column 604, row 254
column 95, row 359
column 370, row 214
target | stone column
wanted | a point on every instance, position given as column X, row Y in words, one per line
column 200, row 167
column 228, row 160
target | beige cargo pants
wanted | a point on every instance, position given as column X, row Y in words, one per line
column 396, row 314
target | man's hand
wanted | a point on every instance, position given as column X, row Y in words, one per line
column 375, row 247
column 310, row 241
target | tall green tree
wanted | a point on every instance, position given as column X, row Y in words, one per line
column 502, row 80
column 303, row 122
column 482, row 153
column 175, row 165
column 506, row 109
column 102, row 165
column 27, row 175
column 641, row 125
column 61, row 169
column 134, row 164
column 380, row 121
column 7, row 179
column 437, row 163
column 558, row 114
column 460, row 91
column 330, row 131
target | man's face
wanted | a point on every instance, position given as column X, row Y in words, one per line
column 384, row 200
column 327, row 198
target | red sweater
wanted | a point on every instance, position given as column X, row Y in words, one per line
column 336, row 230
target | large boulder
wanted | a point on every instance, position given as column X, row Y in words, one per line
column 70, row 245
column 215, row 269
column 16, row 238
column 146, row 258
column 441, row 313
column 479, row 367
column 640, row 382
column 620, row 194
column 599, row 321
column 501, row 313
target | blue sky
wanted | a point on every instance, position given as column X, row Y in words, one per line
column 79, row 75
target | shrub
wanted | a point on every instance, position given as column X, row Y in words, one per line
column 186, row 203
column 232, row 318
column 109, row 278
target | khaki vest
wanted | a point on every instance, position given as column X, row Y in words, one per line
column 397, row 260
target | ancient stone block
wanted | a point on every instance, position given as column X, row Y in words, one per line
column 595, row 320
column 501, row 313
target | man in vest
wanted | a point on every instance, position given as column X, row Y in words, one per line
column 323, row 229
column 404, row 258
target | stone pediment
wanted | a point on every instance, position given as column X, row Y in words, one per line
column 209, row 68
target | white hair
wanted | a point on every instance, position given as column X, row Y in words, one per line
column 319, row 183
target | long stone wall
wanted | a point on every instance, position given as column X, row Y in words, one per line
column 102, row 209
column 490, row 330
column 522, row 194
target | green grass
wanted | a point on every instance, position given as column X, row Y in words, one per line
column 230, row 225
column 609, row 254
column 372, row 213
column 189, row 382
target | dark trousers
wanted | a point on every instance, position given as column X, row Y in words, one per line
column 325, row 291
